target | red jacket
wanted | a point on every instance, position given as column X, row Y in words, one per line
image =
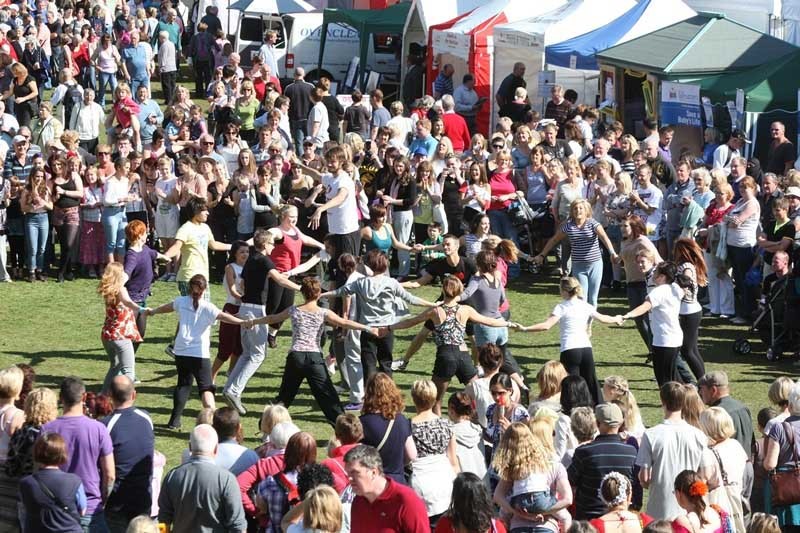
column 250, row 478
column 457, row 131
column 335, row 464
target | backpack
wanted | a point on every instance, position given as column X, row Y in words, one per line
column 71, row 99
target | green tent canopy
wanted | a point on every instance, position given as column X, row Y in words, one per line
column 366, row 22
column 766, row 87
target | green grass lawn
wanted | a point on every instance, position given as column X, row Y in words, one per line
column 56, row 328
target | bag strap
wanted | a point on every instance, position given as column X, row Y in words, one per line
column 722, row 473
column 49, row 494
column 789, row 430
column 386, row 435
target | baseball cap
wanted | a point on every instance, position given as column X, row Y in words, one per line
column 308, row 140
column 420, row 150
column 609, row 414
column 792, row 191
column 717, row 378
column 19, row 139
column 739, row 134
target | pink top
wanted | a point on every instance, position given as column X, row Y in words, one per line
column 501, row 184
column 124, row 109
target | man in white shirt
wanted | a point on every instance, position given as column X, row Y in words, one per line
column 231, row 455
column 467, row 102
column 668, row 449
column 318, row 123
column 341, row 206
column 725, row 153
column 267, row 51
column 86, row 120
column 648, row 200
column 600, row 152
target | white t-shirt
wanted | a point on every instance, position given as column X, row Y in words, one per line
column 668, row 449
column 194, row 327
column 573, row 319
column 666, row 300
column 319, row 113
column 342, row 219
column 653, row 197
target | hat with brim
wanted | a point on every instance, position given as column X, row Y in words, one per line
column 207, row 159
column 739, row 134
column 792, row 191
column 56, row 144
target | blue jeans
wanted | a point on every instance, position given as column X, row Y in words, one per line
column 36, row 228
column 488, row 334
column 136, row 83
column 104, row 78
column 589, row 275
column 114, row 221
column 533, row 502
column 501, row 225
column 94, row 523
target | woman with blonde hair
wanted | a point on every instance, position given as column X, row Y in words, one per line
column 41, row 407
column 322, row 512
column 628, row 145
column 574, row 316
column 477, row 150
column 119, row 329
column 246, row 162
column 438, row 158
column 778, row 394
column 543, row 427
column 523, row 144
column 35, row 202
column 246, row 107
column 720, row 285
column 436, row 464
column 616, row 389
column 616, row 210
column 567, row 180
column 724, row 463
column 548, row 380
column 533, row 488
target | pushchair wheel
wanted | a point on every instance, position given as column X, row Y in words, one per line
column 742, row 347
column 773, row 355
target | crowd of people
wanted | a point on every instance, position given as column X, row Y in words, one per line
column 276, row 189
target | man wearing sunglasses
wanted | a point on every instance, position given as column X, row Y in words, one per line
column 206, row 148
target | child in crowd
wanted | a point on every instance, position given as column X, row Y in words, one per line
column 93, row 241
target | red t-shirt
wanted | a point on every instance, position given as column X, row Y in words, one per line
column 398, row 508
column 457, row 131
column 444, row 525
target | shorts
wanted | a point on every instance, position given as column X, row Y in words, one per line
column 198, row 368
column 533, row 502
column 230, row 337
column 452, row 361
column 183, row 288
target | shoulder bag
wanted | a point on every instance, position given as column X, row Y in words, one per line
column 728, row 496
column 785, row 483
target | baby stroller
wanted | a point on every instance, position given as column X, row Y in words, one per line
column 768, row 324
column 536, row 224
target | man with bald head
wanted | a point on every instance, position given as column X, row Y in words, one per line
column 600, row 153
column 505, row 93
column 663, row 171
column 132, row 436
column 782, row 153
column 299, row 94
column 199, row 495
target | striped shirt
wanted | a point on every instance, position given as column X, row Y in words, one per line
column 592, row 461
column 583, row 240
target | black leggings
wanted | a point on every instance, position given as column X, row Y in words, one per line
column 690, row 325
column 68, row 239
column 376, row 354
column 16, row 259
column 665, row 364
column 580, row 362
column 189, row 369
column 311, row 367
column 278, row 299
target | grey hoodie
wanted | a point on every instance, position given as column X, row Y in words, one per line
column 469, row 448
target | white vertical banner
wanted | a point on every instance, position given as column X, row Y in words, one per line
column 708, row 111
column 739, row 107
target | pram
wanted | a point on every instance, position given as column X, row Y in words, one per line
column 536, row 224
column 768, row 324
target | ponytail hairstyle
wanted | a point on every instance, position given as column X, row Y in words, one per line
column 235, row 247
column 571, row 287
column 619, row 391
column 197, row 286
column 693, row 488
column 669, row 270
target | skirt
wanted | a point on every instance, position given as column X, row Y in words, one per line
column 93, row 244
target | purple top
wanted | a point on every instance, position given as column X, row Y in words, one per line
column 87, row 441
column 139, row 268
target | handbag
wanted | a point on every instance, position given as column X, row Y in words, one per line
column 785, row 484
column 729, row 497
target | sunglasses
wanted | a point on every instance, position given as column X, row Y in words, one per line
column 103, row 153
column 206, row 143
column 498, row 146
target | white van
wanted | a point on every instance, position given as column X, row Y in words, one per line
column 299, row 41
